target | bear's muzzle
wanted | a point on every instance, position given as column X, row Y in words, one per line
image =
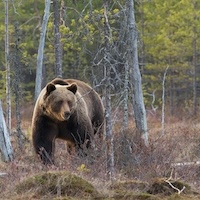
column 67, row 115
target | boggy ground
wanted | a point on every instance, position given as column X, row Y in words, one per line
column 167, row 169
column 66, row 185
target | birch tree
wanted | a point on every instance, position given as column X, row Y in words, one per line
column 138, row 102
column 163, row 101
column 5, row 145
column 38, row 82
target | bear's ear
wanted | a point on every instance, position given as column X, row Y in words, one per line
column 72, row 87
column 50, row 88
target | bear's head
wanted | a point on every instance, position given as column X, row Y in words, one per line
column 60, row 101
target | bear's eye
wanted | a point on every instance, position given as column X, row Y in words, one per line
column 69, row 103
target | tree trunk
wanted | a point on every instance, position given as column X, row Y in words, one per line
column 138, row 102
column 16, row 82
column 107, row 67
column 38, row 82
column 8, row 90
column 57, row 44
column 5, row 145
column 163, row 102
column 126, row 90
column 17, row 75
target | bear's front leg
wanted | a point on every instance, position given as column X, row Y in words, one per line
column 83, row 136
column 46, row 151
column 44, row 135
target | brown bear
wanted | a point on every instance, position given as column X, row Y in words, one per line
column 68, row 109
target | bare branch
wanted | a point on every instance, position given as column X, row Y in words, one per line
column 171, row 185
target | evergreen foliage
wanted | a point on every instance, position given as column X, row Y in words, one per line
column 168, row 31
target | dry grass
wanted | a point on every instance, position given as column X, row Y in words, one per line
column 56, row 184
column 137, row 167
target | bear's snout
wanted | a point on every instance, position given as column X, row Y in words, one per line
column 66, row 115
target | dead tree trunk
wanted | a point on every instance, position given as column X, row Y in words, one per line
column 5, row 145
column 38, row 82
column 138, row 102
column 107, row 67
column 57, row 44
column 15, row 57
column 126, row 90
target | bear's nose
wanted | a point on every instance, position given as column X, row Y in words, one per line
column 66, row 115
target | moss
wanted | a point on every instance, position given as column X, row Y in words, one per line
column 160, row 186
column 129, row 185
column 144, row 196
column 135, row 196
column 57, row 184
column 176, row 197
column 66, row 198
column 183, row 197
column 131, row 190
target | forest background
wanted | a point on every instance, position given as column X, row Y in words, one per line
column 168, row 37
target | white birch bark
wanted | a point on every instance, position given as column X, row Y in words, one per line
column 5, row 145
column 138, row 102
column 163, row 102
column 38, row 82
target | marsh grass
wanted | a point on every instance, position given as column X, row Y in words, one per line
column 137, row 168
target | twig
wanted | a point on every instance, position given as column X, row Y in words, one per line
column 178, row 190
column 180, row 164
column 3, row 174
column 44, row 153
column 172, row 186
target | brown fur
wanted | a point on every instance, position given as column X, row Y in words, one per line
column 68, row 109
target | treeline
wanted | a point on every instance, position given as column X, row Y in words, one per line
column 168, row 37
